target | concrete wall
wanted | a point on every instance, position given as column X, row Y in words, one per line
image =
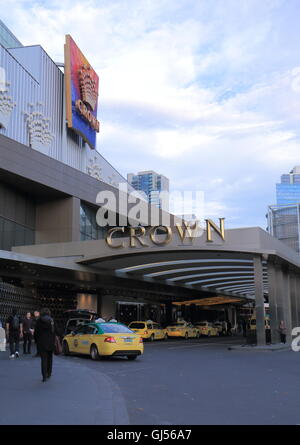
column 58, row 221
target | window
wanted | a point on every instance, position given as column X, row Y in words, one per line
column 14, row 234
column 112, row 328
column 137, row 325
column 89, row 229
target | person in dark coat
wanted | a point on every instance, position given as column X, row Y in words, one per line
column 27, row 333
column 45, row 337
column 36, row 316
column 14, row 331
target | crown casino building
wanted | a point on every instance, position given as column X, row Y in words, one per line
column 52, row 252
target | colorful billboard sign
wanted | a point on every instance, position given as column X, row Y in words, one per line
column 82, row 84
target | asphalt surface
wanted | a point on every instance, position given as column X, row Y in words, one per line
column 75, row 395
column 175, row 382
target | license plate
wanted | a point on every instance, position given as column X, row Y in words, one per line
column 128, row 340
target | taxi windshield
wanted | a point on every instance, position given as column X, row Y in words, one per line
column 176, row 324
column 202, row 324
column 113, row 328
column 137, row 325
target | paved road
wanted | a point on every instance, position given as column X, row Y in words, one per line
column 176, row 382
column 202, row 382
column 75, row 395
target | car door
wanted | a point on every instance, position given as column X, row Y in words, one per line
column 75, row 342
column 150, row 329
column 157, row 331
column 87, row 338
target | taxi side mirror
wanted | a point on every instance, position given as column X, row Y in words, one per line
column 73, row 333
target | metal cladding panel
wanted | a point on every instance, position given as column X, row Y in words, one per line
column 22, row 89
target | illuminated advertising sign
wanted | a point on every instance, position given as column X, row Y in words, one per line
column 82, row 85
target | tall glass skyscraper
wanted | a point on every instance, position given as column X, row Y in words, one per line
column 288, row 191
column 284, row 217
column 151, row 183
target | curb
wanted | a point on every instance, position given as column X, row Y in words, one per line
column 270, row 348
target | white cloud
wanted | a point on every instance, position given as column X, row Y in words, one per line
column 206, row 93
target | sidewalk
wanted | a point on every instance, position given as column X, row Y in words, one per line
column 75, row 394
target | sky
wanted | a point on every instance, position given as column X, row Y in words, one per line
column 205, row 92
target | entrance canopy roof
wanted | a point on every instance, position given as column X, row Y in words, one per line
column 199, row 268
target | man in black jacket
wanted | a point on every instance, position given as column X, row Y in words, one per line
column 36, row 316
column 45, row 337
column 27, row 333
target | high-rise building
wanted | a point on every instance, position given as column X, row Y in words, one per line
column 284, row 217
column 288, row 191
column 151, row 183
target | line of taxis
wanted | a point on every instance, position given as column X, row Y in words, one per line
column 111, row 339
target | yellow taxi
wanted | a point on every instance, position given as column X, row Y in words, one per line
column 148, row 330
column 218, row 325
column 103, row 339
column 253, row 323
column 207, row 328
column 182, row 329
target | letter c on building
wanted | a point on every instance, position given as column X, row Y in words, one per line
column 109, row 235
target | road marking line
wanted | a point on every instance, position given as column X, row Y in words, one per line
column 200, row 344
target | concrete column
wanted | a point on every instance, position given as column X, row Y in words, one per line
column 193, row 313
column 99, row 302
column 298, row 298
column 287, row 306
column 58, row 221
column 279, row 294
column 273, row 302
column 108, row 306
column 259, row 301
column 169, row 315
column 293, row 291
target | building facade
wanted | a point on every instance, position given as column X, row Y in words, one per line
column 53, row 253
column 284, row 217
column 32, row 109
column 152, row 184
column 288, row 190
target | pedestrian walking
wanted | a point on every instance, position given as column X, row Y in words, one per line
column 224, row 327
column 2, row 339
column 282, row 332
column 45, row 337
column 14, row 331
column 244, row 326
column 27, row 333
column 36, row 316
column 229, row 327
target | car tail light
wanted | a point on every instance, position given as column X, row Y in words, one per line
column 110, row 340
column 141, row 340
column 146, row 332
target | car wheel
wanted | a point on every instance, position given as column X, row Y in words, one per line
column 152, row 337
column 94, row 353
column 166, row 337
column 131, row 357
column 186, row 336
column 208, row 334
column 198, row 335
column 65, row 348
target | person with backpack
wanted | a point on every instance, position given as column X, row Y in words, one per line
column 45, row 337
column 14, row 331
column 36, row 316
